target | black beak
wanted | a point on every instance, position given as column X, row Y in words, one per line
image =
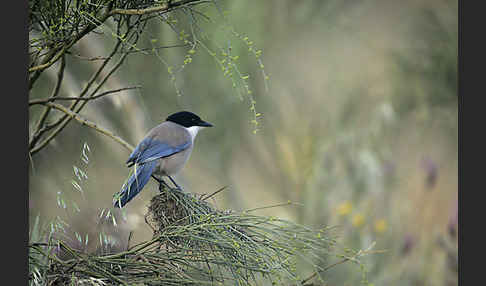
column 205, row 124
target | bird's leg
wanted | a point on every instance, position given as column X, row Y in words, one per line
column 161, row 183
column 174, row 182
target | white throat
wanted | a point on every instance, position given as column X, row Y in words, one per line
column 193, row 130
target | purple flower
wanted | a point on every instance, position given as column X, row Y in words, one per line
column 408, row 244
column 431, row 172
column 453, row 221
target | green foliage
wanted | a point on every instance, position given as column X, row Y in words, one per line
column 55, row 27
column 195, row 244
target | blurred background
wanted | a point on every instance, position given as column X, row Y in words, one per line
column 358, row 129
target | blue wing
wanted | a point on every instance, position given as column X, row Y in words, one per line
column 150, row 149
column 145, row 158
column 135, row 183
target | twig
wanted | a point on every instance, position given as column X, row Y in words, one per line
column 353, row 258
column 63, row 121
column 37, row 73
column 129, row 238
column 162, row 8
column 325, row 269
column 50, row 61
column 86, row 58
column 88, row 123
column 32, row 146
column 38, row 132
column 160, row 47
column 272, row 206
column 138, row 50
column 56, row 55
column 66, row 119
column 212, row 194
column 42, row 101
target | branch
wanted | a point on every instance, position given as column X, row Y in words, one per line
column 66, row 119
column 37, row 73
column 139, row 50
column 162, row 8
column 55, row 56
column 38, row 128
column 32, row 145
column 43, row 101
column 73, row 105
column 204, row 197
column 63, row 121
column 50, row 61
column 353, row 258
column 88, row 123
column 160, row 47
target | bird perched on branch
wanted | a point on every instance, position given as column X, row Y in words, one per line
column 163, row 152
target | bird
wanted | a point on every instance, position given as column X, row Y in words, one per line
column 162, row 152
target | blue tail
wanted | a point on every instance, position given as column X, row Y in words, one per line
column 135, row 183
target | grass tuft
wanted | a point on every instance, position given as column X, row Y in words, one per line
column 195, row 244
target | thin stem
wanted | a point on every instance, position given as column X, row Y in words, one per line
column 43, row 117
column 43, row 101
column 54, row 56
column 90, row 124
column 162, row 8
column 63, row 121
column 32, row 146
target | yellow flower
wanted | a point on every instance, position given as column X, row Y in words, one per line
column 358, row 220
column 380, row 225
column 344, row 208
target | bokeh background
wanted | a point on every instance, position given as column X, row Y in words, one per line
column 358, row 129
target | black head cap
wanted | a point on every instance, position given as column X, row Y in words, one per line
column 187, row 119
